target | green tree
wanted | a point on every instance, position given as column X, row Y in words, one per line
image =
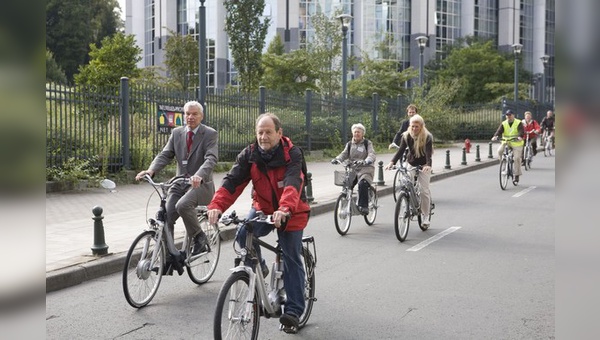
column 477, row 64
column 325, row 50
column 290, row 73
column 181, row 59
column 71, row 26
column 53, row 72
column 381, row 77
column 116, row 58
column 247, row 34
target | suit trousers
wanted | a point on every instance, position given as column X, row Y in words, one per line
column 182, row 201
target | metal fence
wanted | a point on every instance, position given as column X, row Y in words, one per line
column 118, row 127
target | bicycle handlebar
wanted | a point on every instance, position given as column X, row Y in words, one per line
column 169, row 183
column 260, row 217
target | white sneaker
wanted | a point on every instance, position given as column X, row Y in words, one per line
column 425, row 220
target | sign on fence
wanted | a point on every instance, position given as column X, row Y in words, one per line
column 169, row 117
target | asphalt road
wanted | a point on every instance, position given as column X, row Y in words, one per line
column 484, row 269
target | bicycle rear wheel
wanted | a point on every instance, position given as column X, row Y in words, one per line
column 309, row 286
column 402, row 216
column 397, row 185
column 201, row 268
column 370, row 217
column 342, row 214
column 230, row 321
column 143, row 269
column 503, row 174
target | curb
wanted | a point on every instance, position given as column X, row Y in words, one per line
column 113, row 263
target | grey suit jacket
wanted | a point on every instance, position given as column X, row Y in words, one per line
column 203, row 154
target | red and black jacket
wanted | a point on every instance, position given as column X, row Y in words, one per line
column 278, row 183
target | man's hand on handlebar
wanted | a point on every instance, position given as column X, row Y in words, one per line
column 280, row 218
column 195, row 181
column 142, row 173
column 213, row 215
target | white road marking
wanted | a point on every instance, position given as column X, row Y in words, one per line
column 523, row 192
column 433, row 239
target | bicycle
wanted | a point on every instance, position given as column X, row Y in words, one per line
column 408, row 204
column 154, row 253
column 246, row 295
column 527, row 154
column 547, row 142
column 346, row 204
column 397, row 184
column 507, row 164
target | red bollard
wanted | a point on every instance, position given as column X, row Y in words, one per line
column 468, row 145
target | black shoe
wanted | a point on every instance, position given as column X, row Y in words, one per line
column 363, row 210
column 289, row 323
column 200, row 245
column 516, row 180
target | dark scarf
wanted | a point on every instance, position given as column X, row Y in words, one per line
column 267, row 155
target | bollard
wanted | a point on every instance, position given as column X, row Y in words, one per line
column 490, row 152
column 99, row 247
column 309, row 193
column 380, row 180
column 477, row 158
column 464, row 157
column 447, row 166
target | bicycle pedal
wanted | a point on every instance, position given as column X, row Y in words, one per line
column 289, row 329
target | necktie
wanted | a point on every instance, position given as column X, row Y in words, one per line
column 190, row 139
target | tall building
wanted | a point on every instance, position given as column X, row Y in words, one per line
column 394, row 24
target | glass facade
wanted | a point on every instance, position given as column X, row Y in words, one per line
column 486, row 19
column 149, row 34
column 447, row 24
column 549, row 44
column 526, row 33
column 387, row 31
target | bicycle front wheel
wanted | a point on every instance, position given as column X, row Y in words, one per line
column 402, row 217
column 309, row 286
column 143, row 269
column 201, row 268
column 231, row 319
column 397, row 185
column 370, row 217
column 342, row 214
column 503, row 174
column 527, row 158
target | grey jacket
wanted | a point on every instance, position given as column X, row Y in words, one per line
column 203, row 155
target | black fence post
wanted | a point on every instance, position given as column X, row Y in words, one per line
column 477, row 158
column 447, row 166
column 308, row 115
column 262, row 100
column 490, row 151
column 99, row 247
column 309, row 191
column 124, row 94
column 464, row 156
column 375, row 114
column 380, row 180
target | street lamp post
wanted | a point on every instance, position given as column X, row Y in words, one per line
column 345, row 20
column 517, row 50
column 545, row 58
column 421, row 41
column 202, row 56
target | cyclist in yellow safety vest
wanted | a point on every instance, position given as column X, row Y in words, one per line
column 512, row 128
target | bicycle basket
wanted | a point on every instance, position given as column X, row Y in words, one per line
column 338, row 177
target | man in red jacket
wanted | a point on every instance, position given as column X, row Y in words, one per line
column 274, row 166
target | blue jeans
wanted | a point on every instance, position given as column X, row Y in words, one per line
column 293, row 269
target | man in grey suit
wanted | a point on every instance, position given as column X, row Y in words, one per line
column 194, row 146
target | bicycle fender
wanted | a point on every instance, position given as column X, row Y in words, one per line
column 246, row 269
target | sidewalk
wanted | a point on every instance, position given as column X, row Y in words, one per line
column 70, row 227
